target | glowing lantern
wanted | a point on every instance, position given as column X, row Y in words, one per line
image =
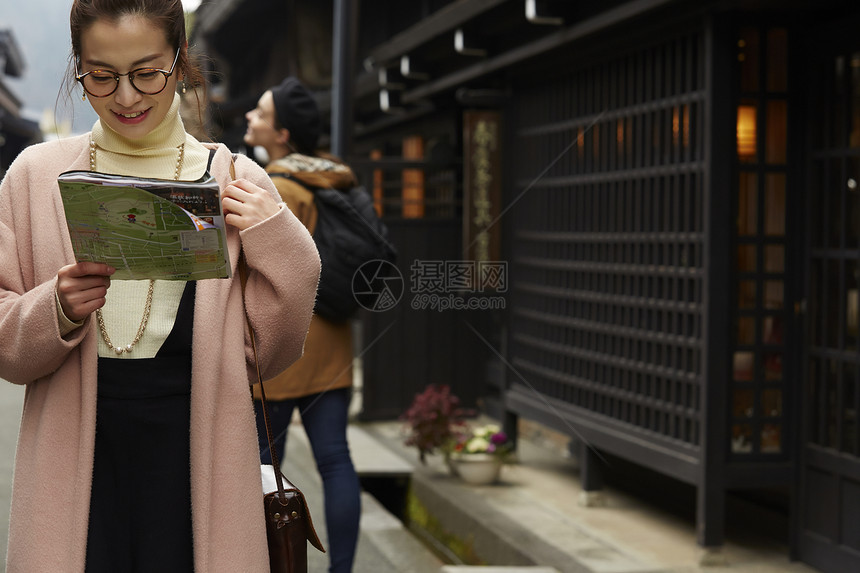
column 746, row 132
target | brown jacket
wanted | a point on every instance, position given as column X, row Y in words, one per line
column 54, row 458
column 327, row 361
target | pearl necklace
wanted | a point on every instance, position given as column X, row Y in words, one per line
column 143, row 321
column 148, row 305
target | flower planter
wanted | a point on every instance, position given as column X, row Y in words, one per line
column 449, row 463
column 476, row 469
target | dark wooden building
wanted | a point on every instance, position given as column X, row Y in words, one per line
column 673, row 187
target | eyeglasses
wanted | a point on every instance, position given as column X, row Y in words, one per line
column 148, row 81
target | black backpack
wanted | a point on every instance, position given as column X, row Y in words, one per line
column 348, row 234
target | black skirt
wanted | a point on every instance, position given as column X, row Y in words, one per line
column 140, row 511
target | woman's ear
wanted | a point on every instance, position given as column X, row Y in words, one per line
column 283, row 136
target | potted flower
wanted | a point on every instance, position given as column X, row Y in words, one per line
column 478, row 455
column 433, row 419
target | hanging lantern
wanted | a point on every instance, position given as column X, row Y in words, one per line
column 746, row 132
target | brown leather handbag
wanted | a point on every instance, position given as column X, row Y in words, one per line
column 288, row 520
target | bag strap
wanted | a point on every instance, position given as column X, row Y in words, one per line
column 311, row 533
column 243, row 279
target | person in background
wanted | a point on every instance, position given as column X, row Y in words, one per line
column 286, row 123
column 137, row 445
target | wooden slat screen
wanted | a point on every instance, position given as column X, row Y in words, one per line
column 608, row 239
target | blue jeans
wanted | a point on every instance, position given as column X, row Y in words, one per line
column 324, row 417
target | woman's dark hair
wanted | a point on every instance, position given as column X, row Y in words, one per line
column 167, row 15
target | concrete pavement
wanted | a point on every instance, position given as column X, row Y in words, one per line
column 384, row 545
column 533, row 518
column 530, row 522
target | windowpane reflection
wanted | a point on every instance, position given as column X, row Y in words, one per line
column 773, row 366
column 773, row 294
column 746, row 258
column 748, row 56
column 744, row 362
column 742, row 405
column 777, row 128
column 748, row 204
column 771, row 439
column 771, row 403
column 774, row 204
column 772, row 334
column 777, row 60
column 774, row 259
column 741, row 438
column 746, row 294
column 746, row 330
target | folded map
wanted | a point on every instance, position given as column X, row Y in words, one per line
column 146, row 228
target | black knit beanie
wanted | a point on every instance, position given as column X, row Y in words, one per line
column 297, row 111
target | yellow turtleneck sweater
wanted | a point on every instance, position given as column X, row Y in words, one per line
column 154, row 155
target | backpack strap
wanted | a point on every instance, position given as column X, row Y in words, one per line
column 294, row 179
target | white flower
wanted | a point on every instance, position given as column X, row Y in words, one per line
column 486, row 431
column 477, row 445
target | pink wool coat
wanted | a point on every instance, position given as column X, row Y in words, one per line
column 54, row 459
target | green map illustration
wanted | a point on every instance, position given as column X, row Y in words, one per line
column 143, row 235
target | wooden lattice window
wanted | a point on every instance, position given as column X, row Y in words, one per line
column 608, row 246
column 757, row 384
